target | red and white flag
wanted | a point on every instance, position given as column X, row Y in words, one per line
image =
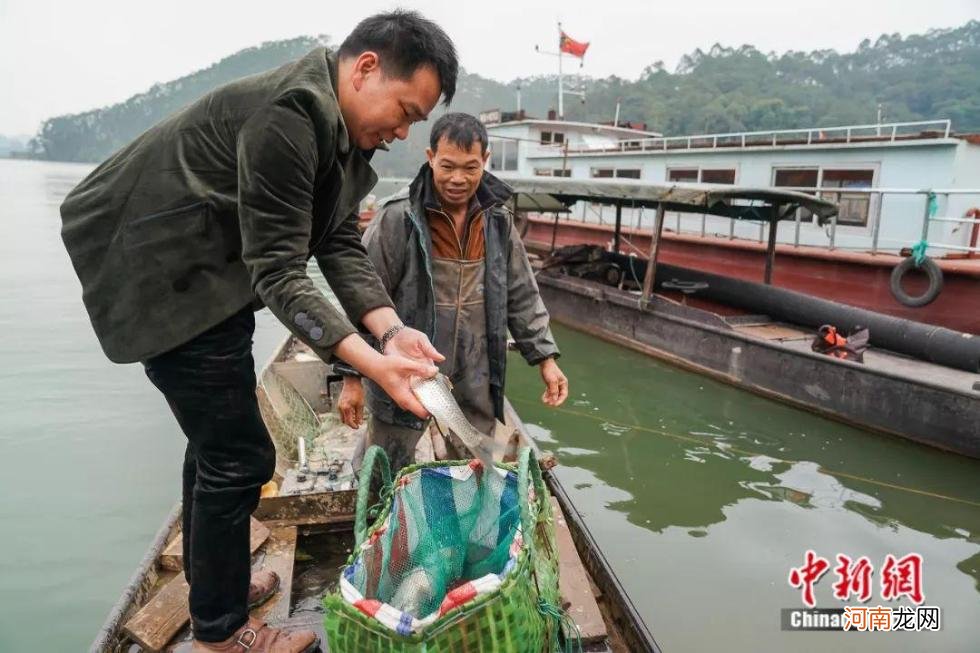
column 570, row 46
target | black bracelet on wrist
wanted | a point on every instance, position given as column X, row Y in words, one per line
column 387, row 336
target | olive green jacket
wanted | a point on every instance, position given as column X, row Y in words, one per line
column 222, row 205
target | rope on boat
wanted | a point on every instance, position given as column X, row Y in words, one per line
column 573, row 638
column 744, row 452
column 919, row 252
column 919, row 249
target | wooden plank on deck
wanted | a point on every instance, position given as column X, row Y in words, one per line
column 278, row 556
column 307, row 509
column 162, row 616
column 773, row 332
column 167, row 612
column 573, row 583
column 172, row 557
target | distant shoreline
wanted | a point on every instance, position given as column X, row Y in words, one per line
column 25, row 156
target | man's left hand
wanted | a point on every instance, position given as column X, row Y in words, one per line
column 350, row 405
column 556, row 385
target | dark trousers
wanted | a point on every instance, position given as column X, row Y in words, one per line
column 209, row 383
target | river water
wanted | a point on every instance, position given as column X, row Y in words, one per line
column 702, row 496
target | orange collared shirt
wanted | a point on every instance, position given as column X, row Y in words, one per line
column 447, row 243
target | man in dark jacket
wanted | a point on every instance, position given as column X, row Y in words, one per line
column 215, row 212
column 449, row 255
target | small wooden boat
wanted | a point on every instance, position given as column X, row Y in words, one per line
column 305, row 531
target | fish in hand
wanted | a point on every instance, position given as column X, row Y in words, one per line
column 436, row 395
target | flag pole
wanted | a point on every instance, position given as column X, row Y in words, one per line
column 561, row 104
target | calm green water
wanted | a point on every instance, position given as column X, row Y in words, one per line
column 89, row 455
column 702, row 496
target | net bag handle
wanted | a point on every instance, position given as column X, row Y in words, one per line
column 375, row 455
column 527, row 465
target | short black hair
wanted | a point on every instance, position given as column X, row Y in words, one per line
column 405, row 41
column 461, row 129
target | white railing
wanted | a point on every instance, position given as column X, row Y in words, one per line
column 549, row 149
column 681, row 223
column 884, row 132
column 876, row 195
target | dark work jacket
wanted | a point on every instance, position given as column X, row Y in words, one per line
column 222, row 205
column 399, row 243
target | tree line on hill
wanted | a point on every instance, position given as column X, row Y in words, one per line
column 928, row 76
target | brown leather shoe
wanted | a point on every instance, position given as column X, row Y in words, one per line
column 256, row 637
column 262, row 586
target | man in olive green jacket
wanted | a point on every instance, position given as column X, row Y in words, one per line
column 215, row 212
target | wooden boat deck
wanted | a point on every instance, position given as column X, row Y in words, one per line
column 945, row 378
column 798, row 339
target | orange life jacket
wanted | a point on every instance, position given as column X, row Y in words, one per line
column 835, row 340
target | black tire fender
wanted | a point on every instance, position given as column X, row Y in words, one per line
column 612, row 275
column 932, row 270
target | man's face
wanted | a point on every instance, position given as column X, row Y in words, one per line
column 379, row 108
column 456, row 171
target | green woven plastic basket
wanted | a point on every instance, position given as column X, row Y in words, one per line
column 522, row 616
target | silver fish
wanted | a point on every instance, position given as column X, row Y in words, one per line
column 414, row 593
column 436, row 395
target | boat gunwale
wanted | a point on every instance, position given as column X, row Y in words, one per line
column 591, row 553
column 112, row 626
column 621, row 298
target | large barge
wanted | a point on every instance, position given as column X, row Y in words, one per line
column 917, row 381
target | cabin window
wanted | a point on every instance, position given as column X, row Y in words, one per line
column 718, row 176
column 620, row 173
column 684, row 175
column 552, row 172
column 704, row 175
column 496, row 154
column 853, row 207
column 798, row 178
column 503, row 154
column 510, row 156
column 548, row 138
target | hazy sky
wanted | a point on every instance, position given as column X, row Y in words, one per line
column 62, row 56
